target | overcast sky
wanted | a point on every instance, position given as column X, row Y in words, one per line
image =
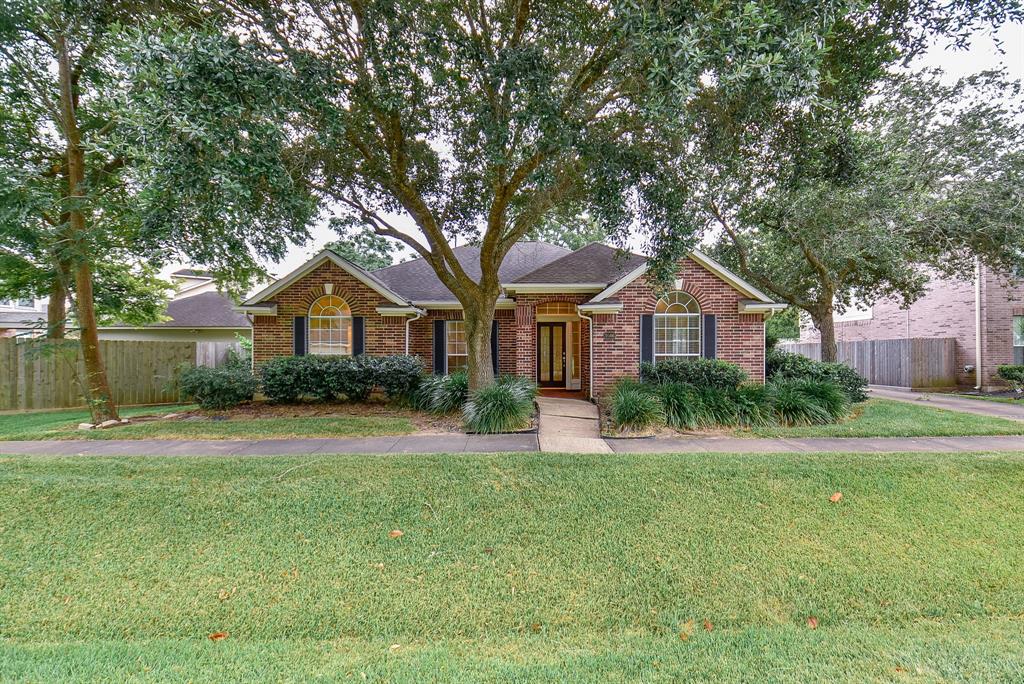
column 982, row 55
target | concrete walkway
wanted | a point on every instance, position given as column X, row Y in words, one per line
column 995, row 409
column 569, row 426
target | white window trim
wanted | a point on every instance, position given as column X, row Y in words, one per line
column 309, row 327
column 447, row 337
column 665, row 316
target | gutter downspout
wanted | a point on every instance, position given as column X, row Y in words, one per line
column 977, row 324
column 590, row 349
column 419, row 315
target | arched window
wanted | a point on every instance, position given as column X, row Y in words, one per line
column 676, row 327
column 330, row 326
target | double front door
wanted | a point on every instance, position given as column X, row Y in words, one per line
column 551, row 354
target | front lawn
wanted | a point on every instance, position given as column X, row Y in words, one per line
column 251, row 421
column 890, row 418
column 513, row 567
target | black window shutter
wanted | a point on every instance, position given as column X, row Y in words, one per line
column 299, row 335
column 709, row 341
column 494, row 346
column 358, row 336
column 440, row 349
column 647, row 338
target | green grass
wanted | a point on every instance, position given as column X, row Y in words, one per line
column 63, row 425
column 986, row 397
column 889, row 418
column 513, row 567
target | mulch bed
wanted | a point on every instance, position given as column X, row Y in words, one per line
column 425, row 423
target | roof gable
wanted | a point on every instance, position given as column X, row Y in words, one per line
column 359, row 273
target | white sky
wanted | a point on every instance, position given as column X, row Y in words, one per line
column 980, row 56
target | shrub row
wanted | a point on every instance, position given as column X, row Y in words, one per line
column 1013, row 375
column 639, row 406
column 698, row 372
column 289, row 379
column 782, row 365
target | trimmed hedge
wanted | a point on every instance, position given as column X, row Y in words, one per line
column 288, row 379
column 217, row 388
column 782, row 365
column 697, row 372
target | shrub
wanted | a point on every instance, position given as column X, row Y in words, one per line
column 283, row 379
column 505, row 406
column 399, row 376
column 351, row 377
column 635, row 407
column 217, row 388
column 1013, row 375
column 753, row 407
column 716, row 407
column 793, row 406
column 681, row 405
column 697, row 372
column 443, row 394
column 785, row 365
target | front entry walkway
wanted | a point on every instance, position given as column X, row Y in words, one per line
column 981, row 407
column 569, row 426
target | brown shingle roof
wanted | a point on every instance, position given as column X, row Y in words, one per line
column 595, row 263
column 416, row 281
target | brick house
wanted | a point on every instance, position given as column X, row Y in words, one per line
column 572, row 320
column 985, row 315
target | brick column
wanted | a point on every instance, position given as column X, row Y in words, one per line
column 526, row 342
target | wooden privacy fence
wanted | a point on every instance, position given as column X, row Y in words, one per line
column 917, row 362
column 36, row 375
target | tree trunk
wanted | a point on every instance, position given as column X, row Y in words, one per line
column 100, row 399
column 478, row 319
column 827, row 328
column 56, row 310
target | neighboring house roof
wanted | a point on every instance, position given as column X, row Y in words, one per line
column 206, row 310
column 595, row 263
column 417, row 281
column 22, row 320
column 191, row 273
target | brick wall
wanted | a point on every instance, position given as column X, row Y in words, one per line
column 272, row 335
column 421, row 337
column 740, row 337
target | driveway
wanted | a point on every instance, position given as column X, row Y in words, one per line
column 995, row 409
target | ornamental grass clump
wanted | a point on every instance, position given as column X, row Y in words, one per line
column 793, row 405
column 505, row 406
column 443, row 394
column 635, row 407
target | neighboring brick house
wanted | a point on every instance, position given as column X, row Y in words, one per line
column 559, row 310
column 984, row 315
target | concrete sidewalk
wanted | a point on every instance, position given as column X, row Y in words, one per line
column 404, row 444
column 422, row 444
column 994, row 409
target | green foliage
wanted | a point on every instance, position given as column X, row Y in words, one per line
column 681, row 404
column 571, row 231
column 785, row 365
column 1013, row 375
column 826, row 394
column 697, row 372
column 636, row 408
column 443, row 394
column 399, row 375
column 795, row 406
column 753, row 406
column 505, row 406
column 282, row 379
column 217, row 388
column 717, row 406
column 782, row 326
column 362, row 246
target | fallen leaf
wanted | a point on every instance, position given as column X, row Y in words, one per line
column 683, row 636
column 395, row 647
column 488, row 550
column 535, row 627
column 395, row 534
column 708, row 626
column 812, row 622
column 836, row 498
column 218, row 636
